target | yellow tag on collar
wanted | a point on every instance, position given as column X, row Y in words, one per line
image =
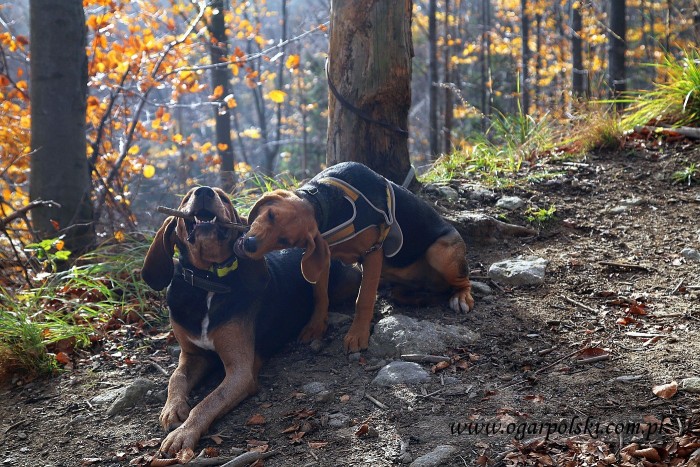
column 223, row 271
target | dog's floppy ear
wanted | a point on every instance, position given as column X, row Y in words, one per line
column 269, row 197
column 316, row 257
column 157, row 270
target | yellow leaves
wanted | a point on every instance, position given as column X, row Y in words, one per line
column 148, row 171
column 252, row 133
column 218, row 92
column 277, row 96
column 222, row 146
column 230, row 101
column 292, row 62
column 133, row 150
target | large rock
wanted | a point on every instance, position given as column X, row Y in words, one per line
column 519, row 271
column 510, row 203
column 438, row 456
column 401, row 373
column 131, row 396
column 400, row 334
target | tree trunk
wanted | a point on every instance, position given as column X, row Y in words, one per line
column 538, row 61
column 218, row 51
column 59, row 164
column 524, row 87
column 370, row 68
column 577, row 83
column 433, row 79
column 485, row 59
column 449, row 77
column 616, row 50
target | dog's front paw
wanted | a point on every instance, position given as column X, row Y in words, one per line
column 179, row 439
column 174, row 414
column 356, row 339
column 462, row 301
column 314, row 330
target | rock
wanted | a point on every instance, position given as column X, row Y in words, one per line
column 324, row 396
column 106, row 397
column 479, row 193
column 174, row 351
column 510, row 203
column 397, row 334
column 449, row 193
column 519, row 271
column 400, row 372
column 338, row 420
column 690, row 254
column 632, row 202
column 313, row 388
column 481, row 289
column 618, row 209
column 131, row 396
column 438, row 456
column 691, row 385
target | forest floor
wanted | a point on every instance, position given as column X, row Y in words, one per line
column 639, row 322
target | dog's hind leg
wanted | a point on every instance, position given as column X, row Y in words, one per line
column 448, row 257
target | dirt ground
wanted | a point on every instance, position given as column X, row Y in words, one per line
column 640, row 323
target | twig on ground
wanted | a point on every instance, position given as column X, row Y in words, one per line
column 597, row 358
column 579, row 304
column 675, row 289
column 248, row 458
column 616, row 264
column 159, row 368
column 424, row 358
column 376, row 402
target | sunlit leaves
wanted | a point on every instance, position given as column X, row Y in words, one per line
column 277, row 96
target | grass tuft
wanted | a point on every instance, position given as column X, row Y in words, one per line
column 676, row 101
column 70, row 307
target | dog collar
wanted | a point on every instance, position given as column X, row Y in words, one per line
column 209, row 280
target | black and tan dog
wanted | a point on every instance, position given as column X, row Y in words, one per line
column 241, row 310
column 351, row 213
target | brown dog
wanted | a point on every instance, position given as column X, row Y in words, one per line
column 239, row 309
column 351, row 213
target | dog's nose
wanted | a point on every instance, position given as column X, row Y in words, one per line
column 250, row 244
column 204, row 191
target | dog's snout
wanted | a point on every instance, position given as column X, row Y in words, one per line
column 204, row 191
column 250, row 244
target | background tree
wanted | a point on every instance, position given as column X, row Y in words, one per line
column 616, row 49
column 525, row 57
column 370, row 67
column 220, row 77
column 577, row 71
column 433, row 90
column 58, row 79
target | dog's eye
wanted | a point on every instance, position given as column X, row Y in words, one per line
column 271, row 216
column 284, row 242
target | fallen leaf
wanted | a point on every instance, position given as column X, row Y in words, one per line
column 666, row 391
column 591, row 352
column 62, row 358
column 439, row 366
column 649, row 454
column 295, row 438
column 362, row 430
column 625, row 321
column 291, row 429
column 217, row 439
column 317, row 444
column 256, row 419
column 344, row 398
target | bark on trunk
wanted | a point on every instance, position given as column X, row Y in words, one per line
column 616, row 50
column 577, row 53
column 370, row 67
column 59, row 164
column 525, row 65
column 218, row 51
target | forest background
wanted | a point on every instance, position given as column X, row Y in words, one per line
column 163, row 76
